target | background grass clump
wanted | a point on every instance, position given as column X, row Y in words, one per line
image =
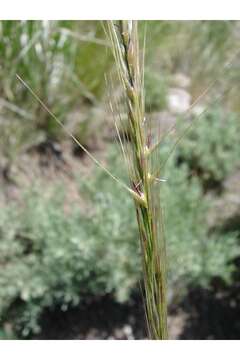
column 58, row 60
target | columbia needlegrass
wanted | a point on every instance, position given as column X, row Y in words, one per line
column 141, row 161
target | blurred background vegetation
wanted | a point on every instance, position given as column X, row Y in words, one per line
column 67, row 233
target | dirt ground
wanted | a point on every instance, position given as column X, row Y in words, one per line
column 203, row 314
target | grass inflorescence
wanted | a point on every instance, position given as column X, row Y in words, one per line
column 141, row 162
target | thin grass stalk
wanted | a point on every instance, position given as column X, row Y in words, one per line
column 124, row 39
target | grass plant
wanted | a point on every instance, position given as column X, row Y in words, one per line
column 141, row 162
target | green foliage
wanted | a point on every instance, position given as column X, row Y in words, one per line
column 199, row 49
column 155, row 91
column 211, row 148
column 195, row 255
column 53, row 56
column 212, row 43
column 58, row 60
column 50, row 255
column 88, row 71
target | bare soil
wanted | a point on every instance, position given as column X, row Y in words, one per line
column 202, row 315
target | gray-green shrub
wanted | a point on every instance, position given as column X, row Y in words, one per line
column 49, row 257
column 211, row 148
column 155, row 91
